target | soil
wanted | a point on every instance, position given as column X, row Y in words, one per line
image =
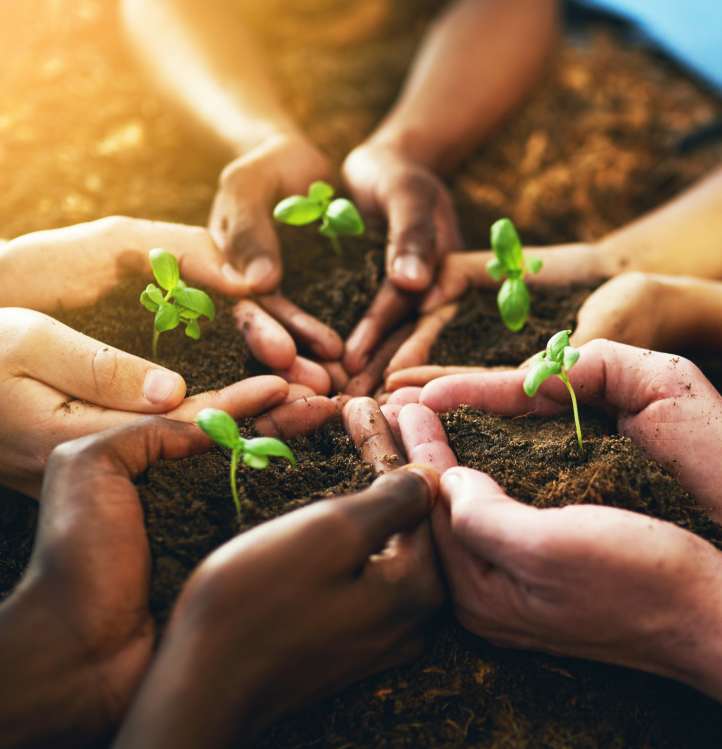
column 84, row 135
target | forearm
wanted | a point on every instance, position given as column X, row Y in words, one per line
column 210, row 63
column 682, row 237
column 478, row 60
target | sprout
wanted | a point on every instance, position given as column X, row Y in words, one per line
column 558, row 359
column 223, row 430
column 181, row 304
column 338, row 216
column 510, row 261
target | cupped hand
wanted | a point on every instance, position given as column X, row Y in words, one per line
column 58, row 385
column 662, row 402
column 73, row 267
column 77, row 635
column 583, row 581
column 290, row 611
column 241, row 218
column 381, row 179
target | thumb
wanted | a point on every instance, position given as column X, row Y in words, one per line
column 86, row 369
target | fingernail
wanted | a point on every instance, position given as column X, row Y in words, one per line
column 451, row 482
column 159, row 384
column 274, row 400
column 427, row 473
column 258, row 271
column 232, row 275
column 409, row 266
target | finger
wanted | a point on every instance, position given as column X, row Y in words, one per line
column 299, row 417
column 388, row 308
column 48, row 351
column 305, row 372
column 424, row 438
column 297, row 392
column 241, row 400
column 457, row 272
column 370, row 432
column 339, row 376
column 391, row 412
column 420, row 376
column 268, row 340
column 372, row 376
column 309, row 332
column 411, row 253
column 245, row 235
column 395, row 502
column 405, row 395
column 485, row 521
column 416, row 350
column 340, row 401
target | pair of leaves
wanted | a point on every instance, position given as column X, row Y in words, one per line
column 188, row 304
column 223, row 430
column 509, row 260
column 558, row 358
column 340, row 216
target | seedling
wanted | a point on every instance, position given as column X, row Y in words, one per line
column 181, row 304
column 509, row 260
column 338, row 216
column 223, row 430
column 558, row 359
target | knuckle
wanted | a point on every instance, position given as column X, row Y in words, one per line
column 107, row 369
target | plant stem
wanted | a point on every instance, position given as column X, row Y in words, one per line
column 156, row 336
column 234, row 464
column 336, row 245
column 563, row 377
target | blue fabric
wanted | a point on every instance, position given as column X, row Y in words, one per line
column 689, row 30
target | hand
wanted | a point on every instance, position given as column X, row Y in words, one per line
column 241, row 222
column 58, row 385
column 75, row 266
column 663, row 403
column 584, row 581
column 422, row 230
column 290, row 611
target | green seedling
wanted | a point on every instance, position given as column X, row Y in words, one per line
column 181, row 304
column 558, row 359
column 338, row 216
column 223, row 430
column 509, row 260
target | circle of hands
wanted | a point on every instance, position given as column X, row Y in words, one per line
column 359, row 575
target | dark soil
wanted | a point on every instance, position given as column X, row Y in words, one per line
column 84, row 135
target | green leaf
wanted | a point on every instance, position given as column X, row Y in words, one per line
column 255, row 461
column 269, row 446
column 541, row 356
column 495, row 269
column 556, row 345
column 188, row 314
column 326, row 229
column 344, row 218
column 165, row 268
column 196, row 300
column 181, row 284
column 297, row 211
column 320, row 191
column 506, row 245
column 541, row 371
column 533, row 264
column 570, row 357
column 513, row 301
column 148, row 303
column 167, row 317
column 220, row 427
column 193, row 330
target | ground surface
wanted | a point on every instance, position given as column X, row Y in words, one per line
column 82, row 135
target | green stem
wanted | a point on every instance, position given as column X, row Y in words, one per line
column 563, row 377
column 156, row 336
column 336, row 245
column 234, row 464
